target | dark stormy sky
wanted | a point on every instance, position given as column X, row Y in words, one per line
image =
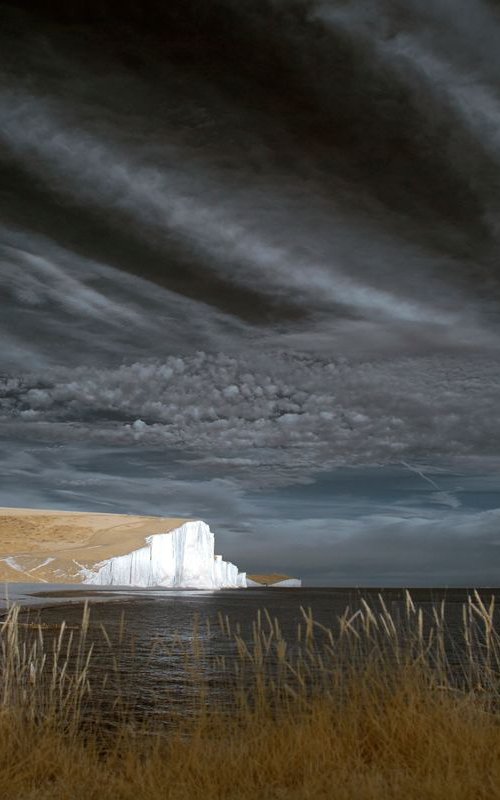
column 249, row 272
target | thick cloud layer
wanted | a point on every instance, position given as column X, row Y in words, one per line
column 359, row 181
column 291, row 416
column 262, row 233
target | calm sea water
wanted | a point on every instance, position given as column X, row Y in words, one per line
column 149, row 635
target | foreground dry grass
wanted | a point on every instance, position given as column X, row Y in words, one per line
column 395, row 727
column 405, row 744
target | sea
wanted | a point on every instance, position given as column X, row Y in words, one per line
column 144, row 642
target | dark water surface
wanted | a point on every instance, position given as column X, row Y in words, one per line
column 152, row 636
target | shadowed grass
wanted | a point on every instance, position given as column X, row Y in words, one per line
column 373, row 709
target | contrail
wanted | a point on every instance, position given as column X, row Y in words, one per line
column 446, row 498
column 422, row 475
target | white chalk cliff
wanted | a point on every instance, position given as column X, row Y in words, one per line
column 182, row 558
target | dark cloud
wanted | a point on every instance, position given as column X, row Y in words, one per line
column 370, row 188
column 260, row 415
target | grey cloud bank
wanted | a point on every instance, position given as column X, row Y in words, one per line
column 381, row 526
column 267, row 413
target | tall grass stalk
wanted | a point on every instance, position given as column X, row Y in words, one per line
column 383, row 704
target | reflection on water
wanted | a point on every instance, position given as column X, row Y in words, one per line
column 157, row 649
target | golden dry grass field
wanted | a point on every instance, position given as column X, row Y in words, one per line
column 407, row 743
column 395, row 726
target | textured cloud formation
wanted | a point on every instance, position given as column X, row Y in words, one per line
column 58, row 306
column 161, row 202
column 384, row 210
column 254, row 414
column 356, row 194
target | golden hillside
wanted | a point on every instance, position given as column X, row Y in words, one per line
column 38, row 545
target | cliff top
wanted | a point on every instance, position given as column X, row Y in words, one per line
column 272, row 577
column 31, row 536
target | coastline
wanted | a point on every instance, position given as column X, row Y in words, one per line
column 41, row 544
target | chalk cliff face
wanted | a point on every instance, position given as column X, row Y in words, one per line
column 183, row 558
